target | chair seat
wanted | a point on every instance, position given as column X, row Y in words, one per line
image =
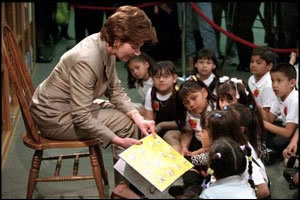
column 46, row 143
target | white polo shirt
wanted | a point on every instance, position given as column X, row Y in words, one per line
column 287, row 108
column 262, row 90
column 193, row 122
column 208, row 81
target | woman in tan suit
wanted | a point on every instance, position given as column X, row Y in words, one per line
column 62, row 104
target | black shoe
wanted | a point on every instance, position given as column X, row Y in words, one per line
column 43, row 59
column 192, row 192
column 272, row 157
column 176, row 190
column 293, row 162
column 288, row 175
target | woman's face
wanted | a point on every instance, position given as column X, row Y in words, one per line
column 126, row 50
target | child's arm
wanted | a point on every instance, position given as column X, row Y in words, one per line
column 186, row 139
column 293, row 57
column 169, row 125
column 267, row 115
column 291, row 149
column 199, row 151
column 286, row 131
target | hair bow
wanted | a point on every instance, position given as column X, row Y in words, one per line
column 218, row 115
column 218, row 155
column 210, row 171
column 193, row 78
column 223, row 79
column 243, row 147
column 236, row 81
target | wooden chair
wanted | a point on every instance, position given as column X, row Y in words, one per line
column 14, row 61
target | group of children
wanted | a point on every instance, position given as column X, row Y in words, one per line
column 225, row 126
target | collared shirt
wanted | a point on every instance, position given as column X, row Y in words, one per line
column 288, row 109
column 193, row 122
column 208, row 81
column 262, row 90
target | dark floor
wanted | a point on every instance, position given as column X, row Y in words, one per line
column 16, row 167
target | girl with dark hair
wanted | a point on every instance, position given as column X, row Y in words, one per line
column 197, row 99
column 250, row 126
column 162, row 101
column 227, row 163
column 139, row 70
column 230, row 91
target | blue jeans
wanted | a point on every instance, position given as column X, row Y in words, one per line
column 206, row 30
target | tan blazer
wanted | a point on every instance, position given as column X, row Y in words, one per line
column 65, row 98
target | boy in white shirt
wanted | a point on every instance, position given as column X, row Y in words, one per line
column 260, row 84
column 283, row 78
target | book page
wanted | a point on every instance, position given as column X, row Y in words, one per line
column 157, row 161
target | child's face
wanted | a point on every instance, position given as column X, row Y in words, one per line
column 196, row 102
column 204, row 67
column 223, row 101
column 205, row 138
column 282, row 86
column 259, row 67
column 139, row 69
column 164, row 82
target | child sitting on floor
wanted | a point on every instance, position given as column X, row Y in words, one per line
column 227, row 163
column 260, row 84
column 139, row 70
column 283, row 77
column 162, row 101
column 205, row 64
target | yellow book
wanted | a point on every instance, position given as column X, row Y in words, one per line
column 157, row 161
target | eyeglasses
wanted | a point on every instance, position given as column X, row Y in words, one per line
column 164, row 76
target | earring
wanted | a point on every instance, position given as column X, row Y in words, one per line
column 116, row 45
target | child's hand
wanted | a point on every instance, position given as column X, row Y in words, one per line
column 293, row 57
column 199, row 151
column 203, row 173
column 186, row 152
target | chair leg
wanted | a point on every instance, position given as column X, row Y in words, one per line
column 101, row 162
column 34, row 172
column 96, row 171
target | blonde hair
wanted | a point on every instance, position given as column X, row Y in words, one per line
column 129, row 24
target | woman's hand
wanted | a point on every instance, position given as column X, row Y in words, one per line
column 146, row 126
column 125, row 142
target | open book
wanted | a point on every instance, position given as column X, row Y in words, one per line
column 156, row 161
